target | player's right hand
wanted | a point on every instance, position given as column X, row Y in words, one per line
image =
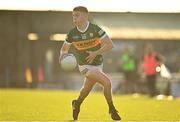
column 91, row 57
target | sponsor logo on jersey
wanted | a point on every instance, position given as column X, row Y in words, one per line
column 86, row 44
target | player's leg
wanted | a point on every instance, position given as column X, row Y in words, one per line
column 99, row 76
column 88, row 85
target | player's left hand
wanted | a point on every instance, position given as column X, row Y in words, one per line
column 91, row 57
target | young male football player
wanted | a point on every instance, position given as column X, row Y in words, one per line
column 90, row 42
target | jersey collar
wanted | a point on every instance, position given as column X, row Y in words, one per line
column 82, row 31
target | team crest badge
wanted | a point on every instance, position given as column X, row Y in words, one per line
column 91, row 34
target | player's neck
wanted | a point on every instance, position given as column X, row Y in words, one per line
column 83, row 27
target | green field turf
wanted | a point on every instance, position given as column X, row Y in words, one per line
column 55, row 105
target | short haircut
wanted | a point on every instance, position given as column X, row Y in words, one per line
column 81, row 9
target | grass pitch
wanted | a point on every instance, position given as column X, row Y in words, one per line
column 55, row 105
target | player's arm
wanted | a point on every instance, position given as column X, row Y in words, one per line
column 107, row 45
column 64, row 50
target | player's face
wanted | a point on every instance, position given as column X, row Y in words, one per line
column 79, row 17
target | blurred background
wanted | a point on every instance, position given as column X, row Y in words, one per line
column 32, row 33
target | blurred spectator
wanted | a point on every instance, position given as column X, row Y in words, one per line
column 175, row 84
column 177, row 64
column 151, row 60
column 128, row 67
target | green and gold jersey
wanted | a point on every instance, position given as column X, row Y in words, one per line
column 90, row 40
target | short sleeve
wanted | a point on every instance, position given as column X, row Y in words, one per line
column 68, row 39
column 100, row 32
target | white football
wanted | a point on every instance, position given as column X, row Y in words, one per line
column 68, row 62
